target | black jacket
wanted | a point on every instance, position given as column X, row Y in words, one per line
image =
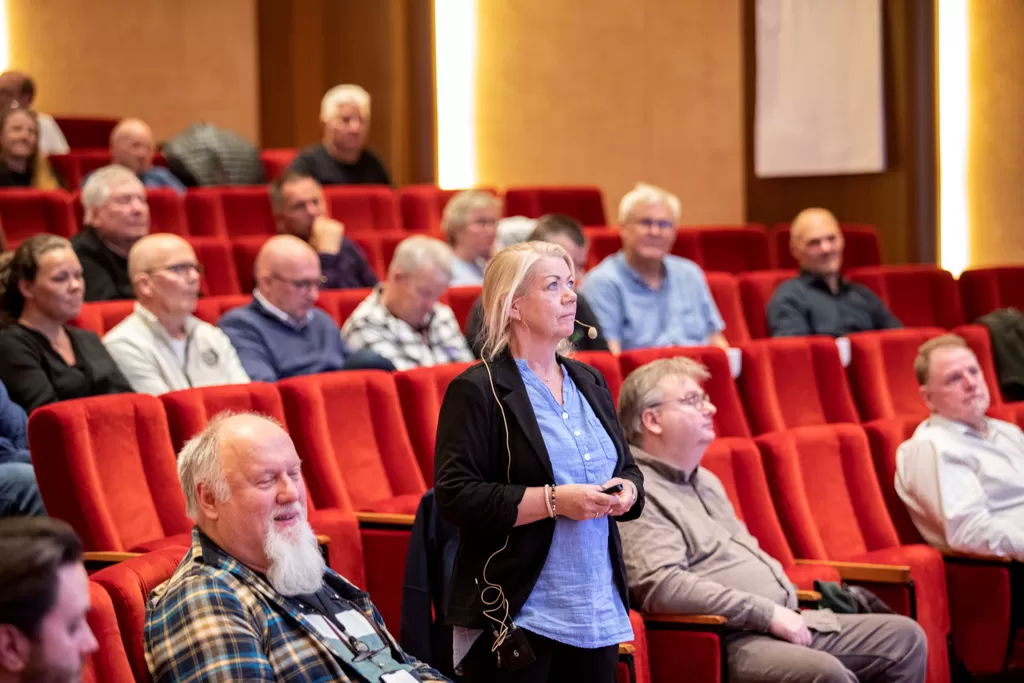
column 470, row 466
column 105, row 273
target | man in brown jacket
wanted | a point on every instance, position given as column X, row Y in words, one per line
column 690, row 554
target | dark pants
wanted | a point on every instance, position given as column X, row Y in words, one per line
column 556, row 663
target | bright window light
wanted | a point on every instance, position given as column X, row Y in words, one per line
column 5, row 41
column 455, row 64
column 954, row 98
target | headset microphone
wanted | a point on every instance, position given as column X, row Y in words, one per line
column 591, row 330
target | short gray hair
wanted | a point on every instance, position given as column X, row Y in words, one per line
column 420, row 252
column 644, row 195
column 642, row 389
column 344, row 94
column 456, row 211
column 101, row 182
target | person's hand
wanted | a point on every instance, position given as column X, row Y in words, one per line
column 582, row 501
column 327, row 235
column 624, row 499
column 789, row 625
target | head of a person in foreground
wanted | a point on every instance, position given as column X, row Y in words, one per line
column 951, row 381
column 529, row 300
column 44, row 600
column 244, row 489
column 665, row 411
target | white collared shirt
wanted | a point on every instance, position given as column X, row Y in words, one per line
column 279, row 314
column 965, row 491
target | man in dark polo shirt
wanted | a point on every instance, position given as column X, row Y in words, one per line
column 819, row 300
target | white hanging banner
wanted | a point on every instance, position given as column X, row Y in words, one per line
column 820, row 108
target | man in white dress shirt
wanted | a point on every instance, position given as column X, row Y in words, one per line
column 961, row 475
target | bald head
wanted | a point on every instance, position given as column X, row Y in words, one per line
column 151, row 252
column 166, row 276
column 131, row 145
column 817, row 243
column 240, row 434
column 288, row 274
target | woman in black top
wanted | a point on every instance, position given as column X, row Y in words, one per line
column 42, row 360
column 21, row 162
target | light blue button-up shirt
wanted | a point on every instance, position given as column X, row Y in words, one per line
column 575, row 600
column 680, row 313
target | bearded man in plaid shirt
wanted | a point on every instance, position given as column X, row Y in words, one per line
column 253, row 600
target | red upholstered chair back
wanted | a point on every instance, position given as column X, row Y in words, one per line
column 211, row 308
column 881, row 372
column 983, row 290
column 129, row 584
column 919, row 295
column 862, row 246
column 885, row 437
column 725, row 290
column 276, row 161
column 349, row 431
column 422, row 206
column 86, row 131
column 109, row 664
column 188, row 411
column 247, row 211
column 731, row 248
column 244, row 250
column 607, row 365
column 756, row 291
column 730, row 419
column 106, row 466
column 795, row 382
column 585, row 204
column 737, row 463
column 67, row 167
column 205, row 212
column 215, row 256
column 103, row 316
column 377, row 248
column 340, row 303
column 823, row 483
column 363, row 208
column 167, row 211
column 461, row 300
column 25, row 212
column 421, row 392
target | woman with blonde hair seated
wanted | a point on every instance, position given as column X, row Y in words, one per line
column 21, row 162
column 533, row 468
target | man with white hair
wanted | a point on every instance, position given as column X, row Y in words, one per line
column 253, row 599
column 690, row 554
column 342, row 157
column 402, row 320
column 132, row 146
column 470, row 224
column 161, row 346
column 644, row 296
column 116, row 217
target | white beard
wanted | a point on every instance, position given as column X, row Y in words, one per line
column 296, row 565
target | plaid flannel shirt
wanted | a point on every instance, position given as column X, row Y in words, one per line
column 217, row 620
column 371, row 326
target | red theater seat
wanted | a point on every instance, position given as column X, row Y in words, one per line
column 461, row 300
column 167, row 212
column 68, row 169
column 276, row 162
column 881, row 372
column 211, row 308
column 421, row 392
column 919, row 295
column 86, row 131
column 340, row 303
column 230, row 211
column 828, row 499
column 730, row 419
column 24, row 213
column 725, row 290
column 731, row 248
column 794, row 382
column 585, row 204
column 109, row 664
column 129, row 584
column 983, row 290
column 363, row 208
column 215, row 256
column 423, row 205
column 102, row 316
column 244, row 250
column 608, row 365
column 862, row 246
column 90, row 160
column 756, row 291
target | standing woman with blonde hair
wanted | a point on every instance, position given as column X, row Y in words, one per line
column 527, row 444
column 22, row 164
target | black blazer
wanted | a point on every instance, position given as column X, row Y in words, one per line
column 470, row 483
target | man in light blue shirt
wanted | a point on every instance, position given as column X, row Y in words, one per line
column 644, row 296
column 131, row 145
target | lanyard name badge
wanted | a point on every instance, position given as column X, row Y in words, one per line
column 354, row 628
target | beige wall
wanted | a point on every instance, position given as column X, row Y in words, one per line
column 996, row 161
column 608, row 92
column 170, row 62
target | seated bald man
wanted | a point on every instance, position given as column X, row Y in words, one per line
column 820, row 300
column 131, row 145
column 282, row 333
column 161, row 346
column 253, row 600
column 690, row 554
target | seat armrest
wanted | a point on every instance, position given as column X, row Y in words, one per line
column 384, row 520
column 626, row 649
column 864, row 571
column 958, row 556
column 808, row 597
column 96, row 560
column 685, row 619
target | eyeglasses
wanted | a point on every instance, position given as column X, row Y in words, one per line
column 696, row 401
column 181, row 269
column 305, row 285
column 650, row 223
